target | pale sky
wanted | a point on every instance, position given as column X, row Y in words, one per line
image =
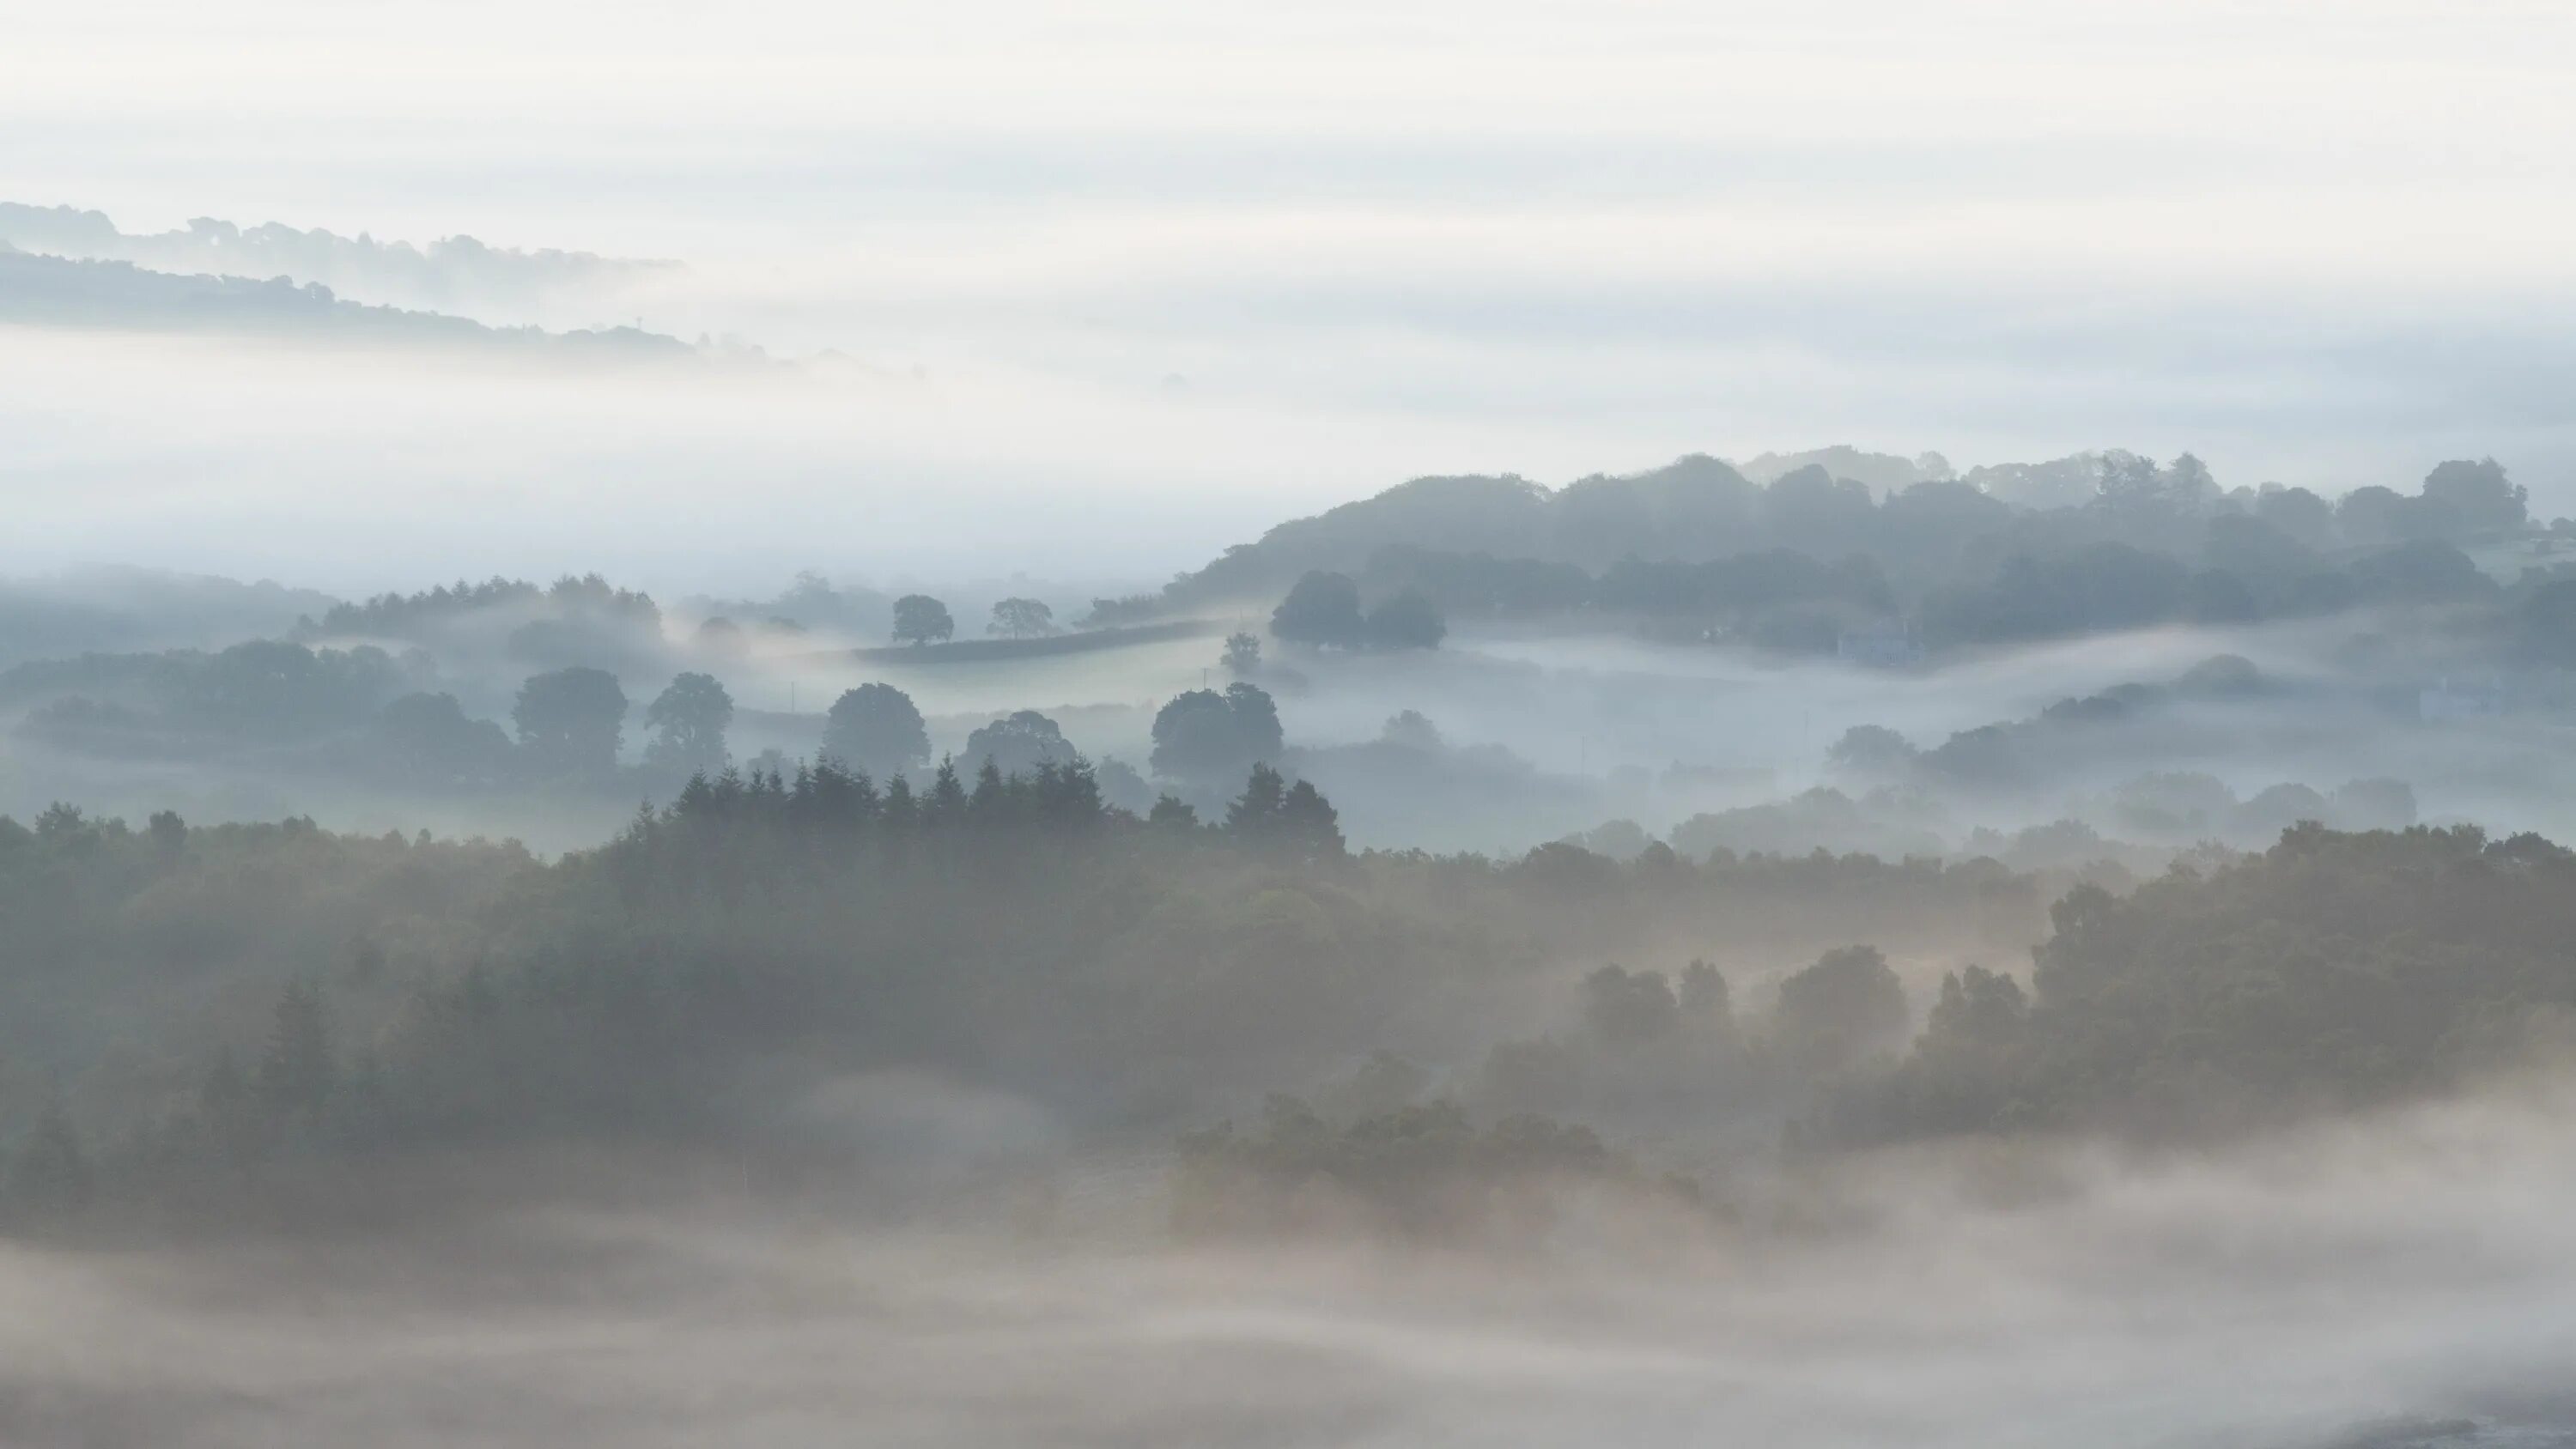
column 2329, row 244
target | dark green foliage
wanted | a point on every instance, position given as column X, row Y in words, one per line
column 1021, row 619
column 688, row 721
column 1626, row 1008
column 1292, row 822
column 2332, row 970
column 1704, row 998
column 324, row 997
column 1695, row 551
column 1406, row 621
column 417, row 616
column 921, row 619
column 254, row 694
column 1242, row 653
column 876, row 730
column 570, row 721
column 1322, row 611
column 2477, row 494
column 427, row 739
column 1835, row 1012
column 1206, row 736
column 1018, row 743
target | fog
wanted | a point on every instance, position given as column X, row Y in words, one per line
column 1349, row 725
column 1224, row 270
column 2390, row 1282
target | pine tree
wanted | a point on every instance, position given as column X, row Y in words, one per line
column 1255, row 814
column 1308, row 824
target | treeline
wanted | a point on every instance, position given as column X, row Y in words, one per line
column 2334, row 970
column 418, row 616
column 48, row 290
column 1797, row 602
column 1695, row 550
column 2205, row 712
column 362, row 714
column 191, row 1015
column 449, row 272
column 762, row 935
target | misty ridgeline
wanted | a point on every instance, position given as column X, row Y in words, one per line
column 1677, row 911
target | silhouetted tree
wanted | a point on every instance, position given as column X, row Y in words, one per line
column 1406, row 621
column 1257, row 808
column 1411, row 729
column 1704, row 998
column 688, row 720
column 1309, row 827
column 429, row 738
column 169, row 832
column 1323, row 610
column 1242, row 653
column 1845, row 1005
column 919, row 619
column 1293, row 821
column 1021, row 619
column 720, row 635
column 875, row 729
column 1627, row 1008
column 570, row 720
column 2478, row 494
column 1872, row 752
column 1206, row 735
column 1017, row 744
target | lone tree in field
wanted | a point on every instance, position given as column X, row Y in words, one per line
column 919, row 619
column 1242, row 653
column 1021, row 619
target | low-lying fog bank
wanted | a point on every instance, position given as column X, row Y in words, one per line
column 2397, row 1281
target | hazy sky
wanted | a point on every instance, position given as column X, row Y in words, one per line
column 2327, row 244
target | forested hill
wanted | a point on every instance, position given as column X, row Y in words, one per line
column 2093, row 542
column 55, row 291
column 183, row 1006
column 457, row 274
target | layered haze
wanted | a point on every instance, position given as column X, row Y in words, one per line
column 1351, row 724
column 1220, row 269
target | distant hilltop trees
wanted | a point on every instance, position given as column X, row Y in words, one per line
column 452, row 273
column 1698, row 552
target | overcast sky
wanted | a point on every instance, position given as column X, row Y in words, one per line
column 1173, row 271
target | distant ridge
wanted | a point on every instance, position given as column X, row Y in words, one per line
column 57, row 291
column 452, row 274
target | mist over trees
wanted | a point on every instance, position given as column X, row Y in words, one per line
column 1204, row 734
column 450, row 273
column 1696, row 550
column 875, row 729
column 392, row 994
column 921, row 619
column 688, row 722
column 1826, row 970
column 571, row 721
